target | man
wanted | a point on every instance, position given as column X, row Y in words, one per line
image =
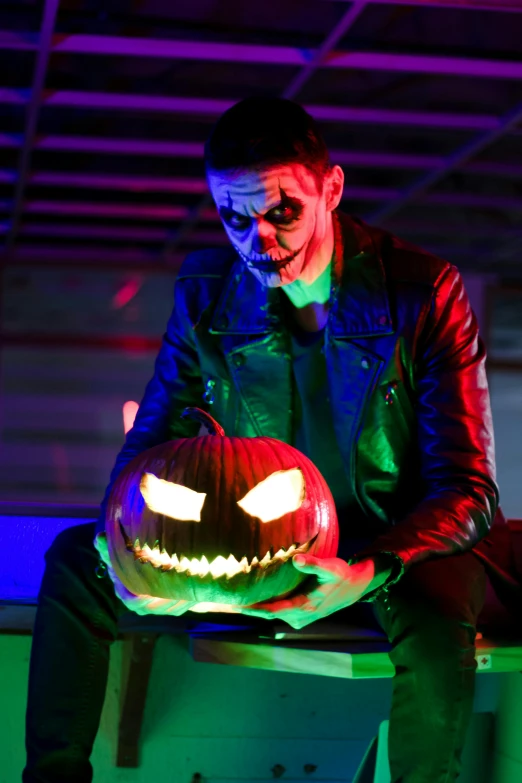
column 363, row 352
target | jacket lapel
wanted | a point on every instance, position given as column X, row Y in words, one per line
column 360, row 310
column 256, row 345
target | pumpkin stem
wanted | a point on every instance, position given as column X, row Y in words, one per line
column 205, row 419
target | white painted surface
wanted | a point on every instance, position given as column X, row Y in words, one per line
column 227, row 723
column 231, row 725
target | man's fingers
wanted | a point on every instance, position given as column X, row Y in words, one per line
column 165, row 606
column 100, row 543
column 257, row 613
column 308, row 564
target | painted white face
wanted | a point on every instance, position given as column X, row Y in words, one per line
column 274, row 217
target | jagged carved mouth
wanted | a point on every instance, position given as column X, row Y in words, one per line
column 218, row 567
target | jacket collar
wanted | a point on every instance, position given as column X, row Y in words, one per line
column 360, row 306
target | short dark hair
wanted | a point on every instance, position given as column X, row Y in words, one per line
column 261, row 131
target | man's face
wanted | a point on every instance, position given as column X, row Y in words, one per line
column 275, row 218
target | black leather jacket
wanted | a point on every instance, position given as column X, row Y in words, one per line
column 406, row 370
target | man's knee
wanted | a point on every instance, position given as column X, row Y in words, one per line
column 442, row 590
column 435, row 643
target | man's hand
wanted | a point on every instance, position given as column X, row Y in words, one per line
column 338, row 585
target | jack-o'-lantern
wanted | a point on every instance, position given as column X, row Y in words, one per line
column 217, row 519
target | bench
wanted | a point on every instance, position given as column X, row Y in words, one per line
column 322, row 648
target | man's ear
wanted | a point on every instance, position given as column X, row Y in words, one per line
column 333, row 187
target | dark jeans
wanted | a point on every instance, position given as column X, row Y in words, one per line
column 430, row 619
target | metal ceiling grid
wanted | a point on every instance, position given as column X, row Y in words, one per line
column 104, row 108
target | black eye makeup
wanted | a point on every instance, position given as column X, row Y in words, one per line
column 288, row 211
column 234, row 219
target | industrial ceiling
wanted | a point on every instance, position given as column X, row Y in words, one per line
column 105, row 105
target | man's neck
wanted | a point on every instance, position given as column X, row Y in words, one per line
column 317, row 293
column 312, row 317
column 314, row 284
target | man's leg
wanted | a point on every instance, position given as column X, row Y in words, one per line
column 430, row 618
column 75, row 626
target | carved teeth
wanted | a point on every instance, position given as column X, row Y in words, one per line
column 165, row 559
column 243, row 565
column 219, row 567
column 194, row 567
column 265, row 561
column 204, row 566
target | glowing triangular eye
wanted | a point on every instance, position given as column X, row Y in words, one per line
column 279, row 494
column 172, row 500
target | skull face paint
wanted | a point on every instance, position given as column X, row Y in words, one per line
column 277, row 220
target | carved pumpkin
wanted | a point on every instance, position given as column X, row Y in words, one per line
column 217, row 519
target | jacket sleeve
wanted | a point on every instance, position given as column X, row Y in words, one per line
column 176, row 384
column 455, row 436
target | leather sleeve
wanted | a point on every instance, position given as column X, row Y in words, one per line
column 176, row 384
column 455, row 435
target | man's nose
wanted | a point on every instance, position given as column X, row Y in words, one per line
column 263, row 237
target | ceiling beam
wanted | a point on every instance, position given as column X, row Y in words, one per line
column 115, row 146
column 140, row 184
column 136, row 184
column 147, row 234
column 28, row 41
column 181, row 149
column 324, row 52
column 14, row 40
column 155, row 212
column 16, row 95
column 31, row 118
column 454, row 161
column 106, row 232
column 167, row 213
column 291, row 56
column 195, row 185
column 498, row 6
column 212, row 108
column 210, row 51
column 94, row 256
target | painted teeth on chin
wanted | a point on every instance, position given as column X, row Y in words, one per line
column 220, row 566
column 266, row 261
